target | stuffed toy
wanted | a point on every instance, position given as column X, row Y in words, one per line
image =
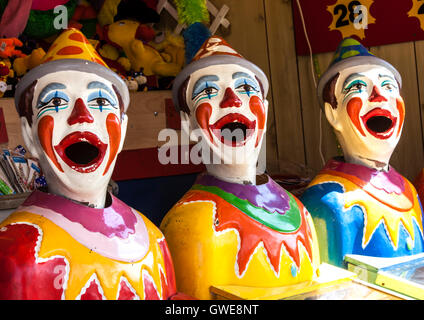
column 33, row 18
column 23, row 64
column 84, row 19
column 129, row 36
column 6, row 72
column 195, row 15
column 131, row 83
column 8, row 48
column 113, row 59
column 109, row 11
column 171, row 47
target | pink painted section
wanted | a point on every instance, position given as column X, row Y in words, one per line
column 117, row 232
column 115, row 220
column 390, row 182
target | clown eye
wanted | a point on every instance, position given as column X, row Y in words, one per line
column 100, row 104
column 54, row 104
column 388, row 85
column 355, row 86
column 207, row 93
column 247, row 89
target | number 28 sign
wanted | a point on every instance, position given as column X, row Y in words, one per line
column 373, row 22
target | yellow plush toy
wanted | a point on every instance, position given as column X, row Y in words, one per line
column 171, row 48
column 126, row 34
column 22, row 65
column 111, row 53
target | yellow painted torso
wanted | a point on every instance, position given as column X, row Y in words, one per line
column 84, row 263
column 204, row 257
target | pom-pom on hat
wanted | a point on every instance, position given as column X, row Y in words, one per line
column 72, row 51
column 351, row 53
column 215, row 51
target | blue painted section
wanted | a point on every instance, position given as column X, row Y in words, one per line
column 344, row 229
column 154, row 197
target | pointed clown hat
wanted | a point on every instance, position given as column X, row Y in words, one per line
column 215, row 51
column 72, row 51
column 351, row 53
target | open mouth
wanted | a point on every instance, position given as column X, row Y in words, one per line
column 234, row 129
column 380, row 123
column 82, row 151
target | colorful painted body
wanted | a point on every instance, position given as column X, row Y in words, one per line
column 223, row 233
column 54, row 248
column 78, row 241
column 358, row 210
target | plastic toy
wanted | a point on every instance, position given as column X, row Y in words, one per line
column 360, row 204
column 78, row 241
column 126, row 34
column 233, row 227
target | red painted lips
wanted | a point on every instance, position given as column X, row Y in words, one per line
column 380, row 123
column 234, row 129
column 82, row 151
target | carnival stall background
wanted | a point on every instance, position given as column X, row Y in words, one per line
column 272, row 35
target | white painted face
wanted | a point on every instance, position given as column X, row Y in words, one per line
column 76, row 131
column 229, row 111
column 369, row 116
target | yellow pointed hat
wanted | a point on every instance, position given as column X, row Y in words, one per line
column 72, row 44
column 72, row 51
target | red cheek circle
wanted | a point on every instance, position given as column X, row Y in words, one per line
column 400, row 105
column 203, row 114
column 353, row 108
column 258, row 109
column 113, row 126
column 45, row 134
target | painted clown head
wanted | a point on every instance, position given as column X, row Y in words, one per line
column 223, row 98
column 360, row 94
column 72, row 110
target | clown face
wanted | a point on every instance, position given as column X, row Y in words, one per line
column 77, row 131
column 229, row 111
column 369, row 116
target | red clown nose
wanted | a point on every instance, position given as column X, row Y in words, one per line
column 80, row 114
column 230, row 99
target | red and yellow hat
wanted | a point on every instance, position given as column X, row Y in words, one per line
column 72, row 51
column 216, row 51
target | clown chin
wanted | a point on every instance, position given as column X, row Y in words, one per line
column 88, row 186
column 369, row 151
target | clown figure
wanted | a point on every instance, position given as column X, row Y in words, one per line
column 359, row 203
column 78, row 241
column 233, row 227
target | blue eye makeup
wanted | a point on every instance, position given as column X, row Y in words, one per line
column 246, row 86
column 101, row 100
column 52, row 101
column 388, row 85
column 205, row 90
column 356, row 86
column 51, row 95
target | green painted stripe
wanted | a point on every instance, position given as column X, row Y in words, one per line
column 288, row 222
